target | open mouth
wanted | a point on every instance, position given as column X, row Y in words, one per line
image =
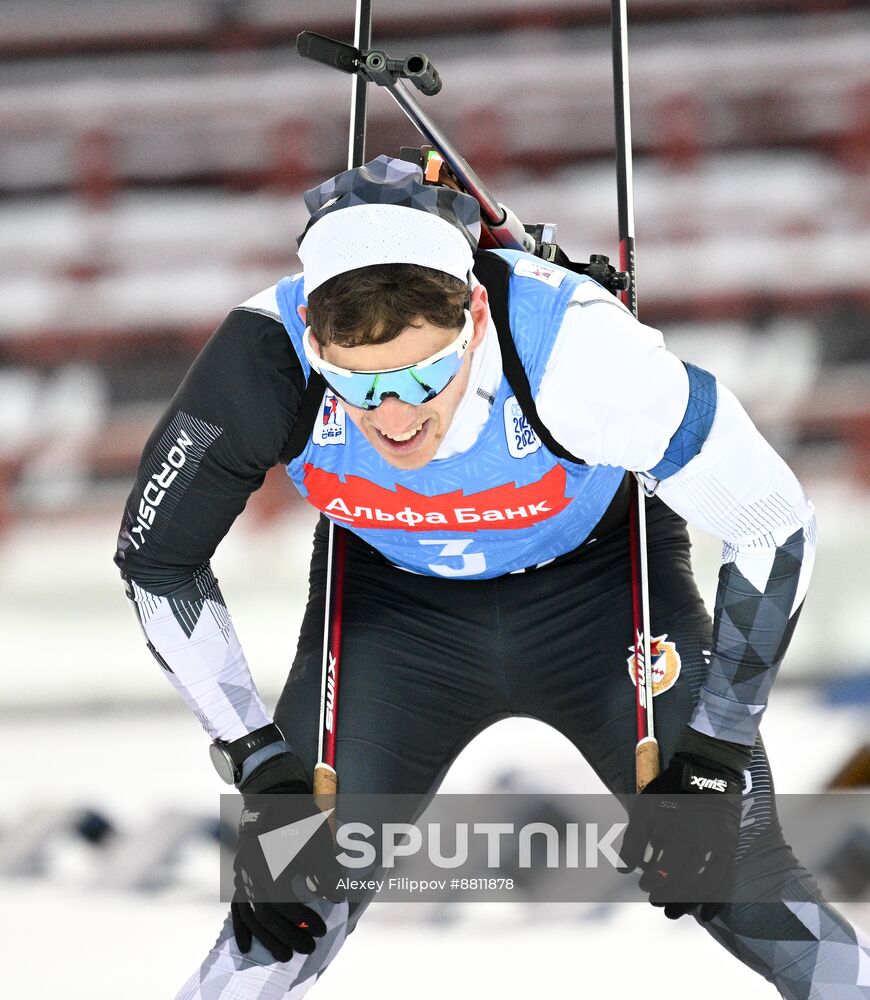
column 404, row 442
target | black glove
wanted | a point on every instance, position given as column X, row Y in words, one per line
column 272, row 909
column 690, row 817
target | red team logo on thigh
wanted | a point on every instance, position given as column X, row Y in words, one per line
column 666, row 664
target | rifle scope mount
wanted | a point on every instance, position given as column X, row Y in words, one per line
column 373, row 64
column 378, row 68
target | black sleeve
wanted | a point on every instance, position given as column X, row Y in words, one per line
column 225, row 428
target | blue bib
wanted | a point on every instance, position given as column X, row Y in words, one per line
column 505, row 504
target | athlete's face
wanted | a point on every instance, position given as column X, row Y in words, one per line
column 405, row 435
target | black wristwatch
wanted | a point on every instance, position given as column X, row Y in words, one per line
column 229, row 757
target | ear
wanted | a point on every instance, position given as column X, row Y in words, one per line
column 479, row 309
column 302, row 312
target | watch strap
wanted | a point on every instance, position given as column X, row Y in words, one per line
column 259, row 757
column 239, row 750
column 250, row 749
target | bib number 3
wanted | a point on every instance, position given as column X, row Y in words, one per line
column 470, row 564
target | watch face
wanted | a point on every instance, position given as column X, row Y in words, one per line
column 223, row 763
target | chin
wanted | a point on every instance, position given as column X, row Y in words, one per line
column 408, row 462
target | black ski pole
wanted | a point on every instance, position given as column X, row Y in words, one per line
column 647, row 749
column 325, row 777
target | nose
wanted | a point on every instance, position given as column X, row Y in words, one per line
column 394, row 415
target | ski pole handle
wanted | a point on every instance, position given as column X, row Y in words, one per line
column 646, row 757
column 325, row 786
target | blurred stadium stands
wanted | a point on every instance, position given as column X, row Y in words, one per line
column 153, row 155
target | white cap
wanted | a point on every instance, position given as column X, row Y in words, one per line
column 363, row 235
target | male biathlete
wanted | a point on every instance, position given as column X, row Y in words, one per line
column 487, row 561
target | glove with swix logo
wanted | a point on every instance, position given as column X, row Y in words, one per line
column 683, row 828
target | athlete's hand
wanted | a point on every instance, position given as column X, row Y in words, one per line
column 276, row 876
column 682, row 832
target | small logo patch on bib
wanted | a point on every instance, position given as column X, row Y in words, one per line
column 521, row 439
column 329, row 428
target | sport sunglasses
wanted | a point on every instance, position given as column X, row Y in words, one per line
column 414, row 384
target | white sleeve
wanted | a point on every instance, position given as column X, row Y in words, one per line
column 738, row 489
column 611, row 393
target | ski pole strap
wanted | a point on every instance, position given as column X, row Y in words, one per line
column 493, row 272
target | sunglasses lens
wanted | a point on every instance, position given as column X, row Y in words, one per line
column 367, row 390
